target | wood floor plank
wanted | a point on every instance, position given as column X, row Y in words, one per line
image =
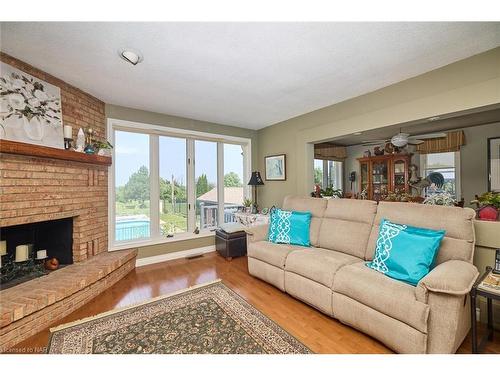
column 319, row 332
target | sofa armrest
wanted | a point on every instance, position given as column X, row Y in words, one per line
column 257, row 232
column 454, row 277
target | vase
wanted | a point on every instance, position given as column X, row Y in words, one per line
column 33, row 128
column 488, row 213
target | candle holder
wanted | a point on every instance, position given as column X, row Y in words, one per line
column 68, row 143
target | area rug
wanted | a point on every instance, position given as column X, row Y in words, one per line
column 208, row 318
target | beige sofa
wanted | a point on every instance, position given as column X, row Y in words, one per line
column 432, row 317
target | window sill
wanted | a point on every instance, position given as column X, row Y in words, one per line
column 161, row 240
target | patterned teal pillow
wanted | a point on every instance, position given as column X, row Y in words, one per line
column 289, row 227
column 404, row 252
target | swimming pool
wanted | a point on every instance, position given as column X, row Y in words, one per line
column 126, row 230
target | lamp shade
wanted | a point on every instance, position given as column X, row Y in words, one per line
column 255, row 180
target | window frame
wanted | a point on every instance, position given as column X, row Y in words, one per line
column 154, row 132
column 337, row 172
column 456, row 161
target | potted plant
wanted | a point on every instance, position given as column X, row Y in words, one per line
column 247, row 203
column 440, row 199
column 331, row 192
column 488, row 206
column 104, row 148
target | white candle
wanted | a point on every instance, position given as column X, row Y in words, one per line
column 68, row 132
column 3, row 247
column 21, row 253
column 41, row 254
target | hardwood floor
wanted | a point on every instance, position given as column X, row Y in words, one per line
column 319, row 332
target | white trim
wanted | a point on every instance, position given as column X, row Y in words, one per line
column 154, row 189
column 458, row 173
column 175, row 255
column 220, row 186
column 186, row 236
column 190, row 181
column 140, row 127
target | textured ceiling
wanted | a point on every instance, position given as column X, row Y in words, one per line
column 244, row 74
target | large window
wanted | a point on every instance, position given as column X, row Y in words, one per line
column 207, row 199
column 235, row 180
column 173, row 181
column 132, row 187
column 448, row 165
column 328, row 174
column 168, row 182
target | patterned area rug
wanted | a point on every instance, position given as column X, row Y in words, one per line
column 208, row 318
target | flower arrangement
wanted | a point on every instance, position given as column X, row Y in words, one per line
column 21, row 96
column 488, row 199
column 488, row 206
column 440, row 199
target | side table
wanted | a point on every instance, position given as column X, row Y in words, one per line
column 475, row 291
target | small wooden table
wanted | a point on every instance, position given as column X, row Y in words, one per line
column 475, row 291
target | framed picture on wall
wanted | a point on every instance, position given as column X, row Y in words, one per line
column 30, row 109
column 494, row 164
column 275, row 167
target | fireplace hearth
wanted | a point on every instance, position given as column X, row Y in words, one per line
column 27, row 246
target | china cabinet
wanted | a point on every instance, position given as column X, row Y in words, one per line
column 382, row 174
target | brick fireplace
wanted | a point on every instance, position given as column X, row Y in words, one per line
column 42, row 185
column 35, row 189
column 40, row 189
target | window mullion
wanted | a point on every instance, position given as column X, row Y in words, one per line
column 191, row 185
column 220, row 183
column 154, row 185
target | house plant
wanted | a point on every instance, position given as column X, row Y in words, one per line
column 331, row 192
column 440, row 199
column 247, row 203
column 488, row 206
column 104, row 148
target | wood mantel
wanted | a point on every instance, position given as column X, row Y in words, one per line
column 19, row 148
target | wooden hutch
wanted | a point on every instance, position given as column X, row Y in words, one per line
column 385, row 173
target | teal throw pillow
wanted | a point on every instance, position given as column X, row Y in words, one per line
column 404, row 252
column 289, row 227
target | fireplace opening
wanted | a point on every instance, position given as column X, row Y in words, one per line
column 26, row 247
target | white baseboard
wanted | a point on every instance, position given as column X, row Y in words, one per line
column 175, row 255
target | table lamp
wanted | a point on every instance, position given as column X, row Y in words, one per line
column 255, row 180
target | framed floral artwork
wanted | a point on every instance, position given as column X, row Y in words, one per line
column 30, row 109
column 275, row 167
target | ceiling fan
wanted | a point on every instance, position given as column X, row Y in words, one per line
column 402, row 139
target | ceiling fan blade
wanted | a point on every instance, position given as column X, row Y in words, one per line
column 375, row 141
column 374, row 144
column 427, row 136
column 415, row 142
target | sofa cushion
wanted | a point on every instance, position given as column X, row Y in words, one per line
column 458, row 242
column 388, row 296
column 289, row 227
column 315, row 206
column 271, row 253
column 346, row 225
column 318, row 264
column 405, row 252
